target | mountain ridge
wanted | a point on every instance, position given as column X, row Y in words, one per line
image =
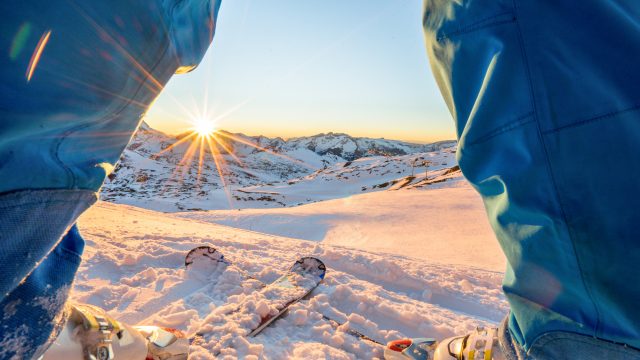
column 163, row 172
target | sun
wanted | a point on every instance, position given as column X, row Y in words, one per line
column 204, row 127
column 204, row 139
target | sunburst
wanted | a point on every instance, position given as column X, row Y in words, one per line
column 204, row 127
column 205, row 141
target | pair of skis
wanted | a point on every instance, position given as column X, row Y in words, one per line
column 309, row 268
column 269, row 301
column 296, row 284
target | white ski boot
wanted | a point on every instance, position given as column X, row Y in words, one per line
column 482, row 344
column 90, row 334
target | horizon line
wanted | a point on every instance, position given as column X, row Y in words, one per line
column 285, row 138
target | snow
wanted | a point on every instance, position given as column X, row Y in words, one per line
column 408, row 248
column 437, row 283
column 411, row 223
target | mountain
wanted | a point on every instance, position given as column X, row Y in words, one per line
column 162, row 172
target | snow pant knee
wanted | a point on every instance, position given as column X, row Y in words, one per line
column 31, row 315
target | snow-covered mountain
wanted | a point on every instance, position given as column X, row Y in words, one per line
column 155, row 171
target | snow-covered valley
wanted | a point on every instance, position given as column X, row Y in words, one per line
column 408, row 254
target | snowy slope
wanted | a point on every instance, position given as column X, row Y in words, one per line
column 437, row 225
column 369, row 174
column 133, row 267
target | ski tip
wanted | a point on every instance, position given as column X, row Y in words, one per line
column 415, row 349
column 204, row 252
column 310, row 265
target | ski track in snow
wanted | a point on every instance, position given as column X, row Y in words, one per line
column 134, row 268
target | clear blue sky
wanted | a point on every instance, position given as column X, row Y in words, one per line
column 293, row 68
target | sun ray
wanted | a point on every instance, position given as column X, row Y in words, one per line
column 104, row 91
column 184, row 166
column 188, row 156
column 200, row 158
column 227, row 149
column 184, row 109
column 233, row 109
column 184, row 139
column 103, row 33
column 256, row 146
column 215, row 154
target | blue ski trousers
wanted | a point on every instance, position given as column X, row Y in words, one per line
column 77, row 76
column 545, row 95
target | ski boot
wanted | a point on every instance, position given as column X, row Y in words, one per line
column 90, row 334
column 482, row 344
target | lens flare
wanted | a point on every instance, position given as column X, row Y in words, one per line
column 204, row 127
column 35, row 57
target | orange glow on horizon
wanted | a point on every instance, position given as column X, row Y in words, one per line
column 173, row 125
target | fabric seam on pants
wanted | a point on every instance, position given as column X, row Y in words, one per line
column 517, row 122
column 593, row 119
column 480, row 24
column 55, row 150
column 71, row 255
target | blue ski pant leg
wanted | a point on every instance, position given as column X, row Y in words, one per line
column 31, row 312
column 545, row 95
column 77, row 78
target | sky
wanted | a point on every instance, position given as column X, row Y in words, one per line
column 293, row 68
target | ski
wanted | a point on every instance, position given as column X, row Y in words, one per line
column 355, row 333
column 302, row 278
column 204, row 254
